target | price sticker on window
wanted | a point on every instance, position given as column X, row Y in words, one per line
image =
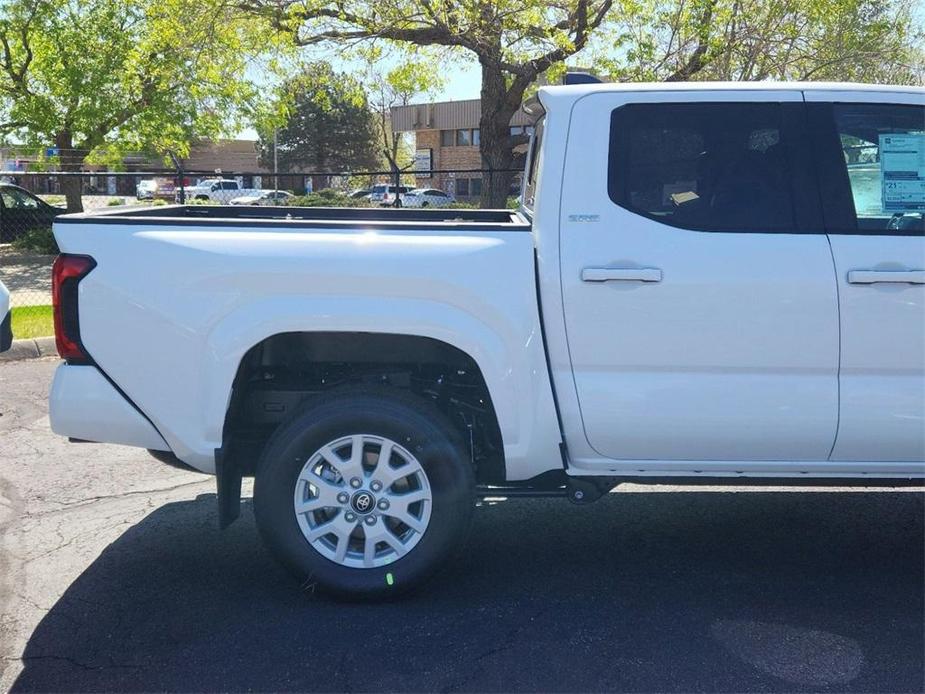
column 902, row 172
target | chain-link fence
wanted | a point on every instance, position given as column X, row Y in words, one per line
column 29, row 202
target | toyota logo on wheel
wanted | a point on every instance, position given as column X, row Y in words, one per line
column 363, row 502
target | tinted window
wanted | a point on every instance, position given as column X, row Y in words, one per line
column 462, row 187
column 463, row 138
column 446, row 138
column 708, row 166
column 883, row 153
column 17, row 199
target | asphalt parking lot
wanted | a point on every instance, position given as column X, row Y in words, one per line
column 114, row 576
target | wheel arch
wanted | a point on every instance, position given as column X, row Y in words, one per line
column 507, row 351
column 284, row 370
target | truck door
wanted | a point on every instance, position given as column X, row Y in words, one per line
column 872, row 169
column 698, row 287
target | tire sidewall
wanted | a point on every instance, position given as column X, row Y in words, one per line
column 430, row 441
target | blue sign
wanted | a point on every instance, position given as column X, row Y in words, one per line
column 52, row 151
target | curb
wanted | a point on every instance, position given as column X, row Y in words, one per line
column 30, row 349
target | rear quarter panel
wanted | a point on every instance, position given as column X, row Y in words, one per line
column 168, row 314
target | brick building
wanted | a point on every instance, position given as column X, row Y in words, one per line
column 446, row 136
column 229, row 156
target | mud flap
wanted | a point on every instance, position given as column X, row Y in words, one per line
column 228, row 486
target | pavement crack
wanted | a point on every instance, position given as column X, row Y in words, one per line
column 80, row 503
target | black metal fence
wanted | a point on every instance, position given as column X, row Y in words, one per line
column 29, row 202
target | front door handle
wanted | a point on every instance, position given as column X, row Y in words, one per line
column 621, row 274
column 894, row 276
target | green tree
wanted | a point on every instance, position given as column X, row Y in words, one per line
column 328, row 126
column 514, row 42
column 387, row 89
column 91, row 76
column 843, row 40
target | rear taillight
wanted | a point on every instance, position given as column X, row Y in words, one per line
column 66, row 273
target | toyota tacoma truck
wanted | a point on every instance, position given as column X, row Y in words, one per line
column 718, row 282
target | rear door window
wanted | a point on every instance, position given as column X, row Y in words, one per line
column 703, row 166
column 883, row 154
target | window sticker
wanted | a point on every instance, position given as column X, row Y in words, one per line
column 902, row 172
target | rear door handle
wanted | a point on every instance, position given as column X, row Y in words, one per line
column 621, row 274
column 894, row 276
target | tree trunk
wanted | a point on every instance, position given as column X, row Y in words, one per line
column 71, row 160
column 495, row 133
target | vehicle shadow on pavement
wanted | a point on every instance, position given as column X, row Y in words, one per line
column 642, row 591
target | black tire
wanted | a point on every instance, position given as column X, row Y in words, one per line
column 425, row 204
column 422, row 430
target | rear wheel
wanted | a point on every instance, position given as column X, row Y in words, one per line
column 364, row 493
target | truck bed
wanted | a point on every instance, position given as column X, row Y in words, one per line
column 308, row 217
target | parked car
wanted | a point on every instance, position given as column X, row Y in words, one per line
column 218, row 190
column 146, row 189
column 6, row 319
column 22, row 211
column 426, row 197
column 264, row 197
column 382, row 193
column 360, row 193
column 688, row 292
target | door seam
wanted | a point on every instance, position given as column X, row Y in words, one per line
column 828, row 238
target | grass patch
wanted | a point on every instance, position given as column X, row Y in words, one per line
column 32, row 321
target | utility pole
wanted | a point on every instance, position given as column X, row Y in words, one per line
column 275, row 160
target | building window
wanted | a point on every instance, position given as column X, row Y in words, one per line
column 465, row 137
column 468, row 187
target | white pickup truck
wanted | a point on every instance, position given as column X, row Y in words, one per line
column 703, row 281
column 221, row 190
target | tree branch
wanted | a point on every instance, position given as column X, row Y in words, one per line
column 699, row 58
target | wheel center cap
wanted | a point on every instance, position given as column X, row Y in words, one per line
column 363, row 502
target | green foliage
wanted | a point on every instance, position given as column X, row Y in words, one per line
column 328, row 124
column 115, row 202
column 844, row 40
column 98, row 77
column 412, row 79
column 514, row 42
column 327, row 197
column 37, row 240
